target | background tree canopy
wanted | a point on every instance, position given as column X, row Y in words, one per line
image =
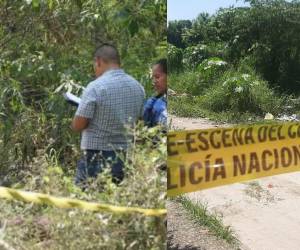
column 266, row 34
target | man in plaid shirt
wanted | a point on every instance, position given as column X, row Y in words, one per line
column 109, row 106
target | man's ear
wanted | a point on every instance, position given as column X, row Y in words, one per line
column 98, row 61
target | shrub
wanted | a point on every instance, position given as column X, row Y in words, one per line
column 239, row 92
column 174, row 58
column 186, row 82
column 194, row 55
column 211, row 69
column 196, row 82
column 185, row 106
column 40, row 226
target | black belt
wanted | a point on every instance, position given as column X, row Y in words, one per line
column 85, row 151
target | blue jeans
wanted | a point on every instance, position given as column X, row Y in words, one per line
column 93, row 162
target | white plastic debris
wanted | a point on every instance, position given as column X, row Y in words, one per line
column 289, row 118
column 269, row 116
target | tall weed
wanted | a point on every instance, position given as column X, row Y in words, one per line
column 239, row 92
column 38, row 226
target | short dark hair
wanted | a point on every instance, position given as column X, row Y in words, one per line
column 108, row 53
column 163, row 64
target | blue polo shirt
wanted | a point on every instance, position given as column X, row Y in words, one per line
column 155, row 111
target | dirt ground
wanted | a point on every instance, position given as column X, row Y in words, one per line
column 191, row 123
column 183, row 234
column 264, row 213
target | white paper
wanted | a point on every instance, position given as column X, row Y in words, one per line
column 73, row 98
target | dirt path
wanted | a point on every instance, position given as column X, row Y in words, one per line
column 183, row 234
column 192, row 123
column 263, row 213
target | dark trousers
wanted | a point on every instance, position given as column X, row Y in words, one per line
column 93, row 162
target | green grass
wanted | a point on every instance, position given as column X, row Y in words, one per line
column 232, row 95
column 187, row 82
column 200, row 215
column 191, row 107
column 44, row 227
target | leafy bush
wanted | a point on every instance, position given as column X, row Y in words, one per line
column 211, row 69
column 185, row 106
column 226, row 94
column 175, row 30
column 174, row 59
column 47, row 46
column 249, row 31
column 238, row 92
column 196, row 82
column 194, row 55
column 185, row 82
column 39, row 226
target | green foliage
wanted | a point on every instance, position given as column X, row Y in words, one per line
column 267, row 31
column 194, row 55
column 192, row 107
column 185, row 106
column 274, row 49
column 202, row 31
column 211, row 69
column 46, row 47
column 196, row 82
column 55, row 54
column 174, row 58
column 199, row 214
column 185, row 82
column 223, row 93
column 238, row 92
column 36, row 227
column 259, row 46
column 175, row 31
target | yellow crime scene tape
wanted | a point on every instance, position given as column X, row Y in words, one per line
column 39, row 198
column 201, row 159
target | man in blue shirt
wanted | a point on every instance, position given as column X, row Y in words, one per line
column 109, row 106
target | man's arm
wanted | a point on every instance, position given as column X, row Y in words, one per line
column 79, row 123
column 85, row 110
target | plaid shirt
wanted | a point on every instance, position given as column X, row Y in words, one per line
column 112, row 103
